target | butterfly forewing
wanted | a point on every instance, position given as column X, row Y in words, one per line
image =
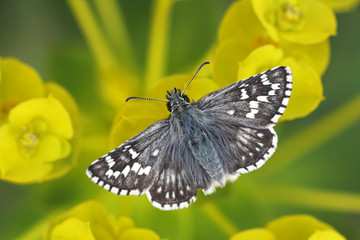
column 258, row 101
column 131, row 168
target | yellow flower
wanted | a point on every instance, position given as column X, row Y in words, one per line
column 90, row 220
column 298, row 21
column 293, row 227
column 38, row 135
column 241, row 32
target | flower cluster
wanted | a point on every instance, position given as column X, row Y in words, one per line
column 90, row 220
column 39, row 126
column 294, row 227
column 257, row 35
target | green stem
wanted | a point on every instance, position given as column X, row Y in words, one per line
column 115, row 27
column 219, row 219
column 93, row 35
column 158, row 43
column 319, row 133
column 313, row 198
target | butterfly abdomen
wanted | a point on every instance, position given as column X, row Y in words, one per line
column 192, row 125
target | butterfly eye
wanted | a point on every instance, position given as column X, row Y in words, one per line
column 186, row 98
column 169, row 106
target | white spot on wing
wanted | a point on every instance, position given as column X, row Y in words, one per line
column 231, row 112
column 109, row 173
column 155, row 152
column 266, row 82
column 115, row 190
column 272, row 93
column 275, row 86
column 135, row 168
column 244, row 94
column 251, row 168
column 147, row 170
column 126, row 171
column 95, row 179
column 262, row 99
column 285, row 101
column 254, row 104
column 133, row 153
column 275, row 118
column 116, row 174
column 281, row 110
column 252, row 113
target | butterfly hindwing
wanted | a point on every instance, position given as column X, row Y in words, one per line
column 130, row 168
column 258, row 101
column 240, row 149
column 171, row 190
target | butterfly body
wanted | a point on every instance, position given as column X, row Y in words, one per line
column 202, row 145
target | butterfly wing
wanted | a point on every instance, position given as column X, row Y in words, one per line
column 153, row 163
column 171, row 190
column 179, row 177
column 258, row 101
column 243, row 115
column 131, row 168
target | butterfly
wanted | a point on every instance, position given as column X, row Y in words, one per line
column 202, row 145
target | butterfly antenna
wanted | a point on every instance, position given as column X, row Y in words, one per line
column 194, row 76
column 152, row 99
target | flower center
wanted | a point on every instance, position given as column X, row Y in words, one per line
column 289, row 16
column 31, row 135
column 29, row 139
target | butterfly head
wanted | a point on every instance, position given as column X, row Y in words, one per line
column 176, row 100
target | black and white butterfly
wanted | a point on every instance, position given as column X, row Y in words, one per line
column 201, row 145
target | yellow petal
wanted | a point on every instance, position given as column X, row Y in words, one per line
column 72, row 229
column 124, row 223
column 226, row 58
column 261, row 59
column 88, row 212
column 52, row 148
column 47, row 110
column 296, row 227
column 136, row 117
column 304, row 22
column 342, row 5
column 68, row 102
column 139, row 234
column 19, row 81
column 240, row 22
column 326, row 235
column 316, row 55
column 254, row 234
column 307, row 90
column 115, row 87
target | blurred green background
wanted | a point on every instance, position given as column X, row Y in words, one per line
column 44, row 34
